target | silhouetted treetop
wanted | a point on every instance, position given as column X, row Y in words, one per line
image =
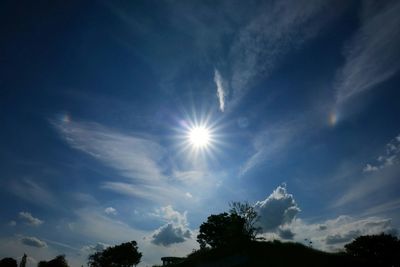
column 383, row 249
column 58, row 261
column 8, row 262
column 123, row 255
column 223, row 230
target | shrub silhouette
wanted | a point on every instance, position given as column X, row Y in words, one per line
column 8, row 262
column 58, row 261
column 123, row 255
column 382, row 249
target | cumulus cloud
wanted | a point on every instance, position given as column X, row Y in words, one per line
column 278, row 210
column 169, row 234
column 373, row 55
column 29, row 219
column 175, row 230
column 33, row 242
column 342, row 237
column 370, row 168
column 286, row 234
column 389, row 158
column 110, row 211
column 221, row 91
column 89, row 249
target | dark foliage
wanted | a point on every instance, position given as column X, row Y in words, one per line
column 58, row 261
column 23, row 261
column 383, row 249
column 275, row 253
column 248, row 213
column 8, row 262
column 123, row 255
column 223, row 230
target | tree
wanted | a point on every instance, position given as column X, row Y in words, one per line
column 58, row 261
column 23, row 261
column 248, row 213
column 123, row 255
column 223, row 230
column 8, row 262
column 382, row 249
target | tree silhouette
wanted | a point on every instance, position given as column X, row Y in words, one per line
column 23, row 261
column 58, row 261
column 248, row 213
column 223, row 230
column 8, row 262
column 382, row 249
column 123, row 255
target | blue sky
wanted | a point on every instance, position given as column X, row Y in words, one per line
column 98, row 99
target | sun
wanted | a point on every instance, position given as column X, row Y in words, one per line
column 199, row 136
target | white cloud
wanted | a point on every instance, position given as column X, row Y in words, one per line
column 285, row 233
column 175, row 230
column 12, row 223
column 33, row 242
column 337, row 232
column 276, row 211
column 169, row 234
column 221, row 91
column 89, row 249
column 29, row 219
column 389, row 158
column 370, row 168
column 373, row 55
column 110, row 211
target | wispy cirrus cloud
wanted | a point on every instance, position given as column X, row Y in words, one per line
column 377, row 176
column 263, row 42
column 138, row 160
column 368, row 184
column 157, row 193
column 33, row 192
column 133, row 156
column 373, row 54
column 221, row 91
column 271, row 142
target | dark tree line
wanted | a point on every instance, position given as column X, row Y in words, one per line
column 123, row 255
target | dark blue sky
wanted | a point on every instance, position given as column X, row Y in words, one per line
column 97, row 101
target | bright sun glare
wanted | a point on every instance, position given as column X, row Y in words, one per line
column 199, row 137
